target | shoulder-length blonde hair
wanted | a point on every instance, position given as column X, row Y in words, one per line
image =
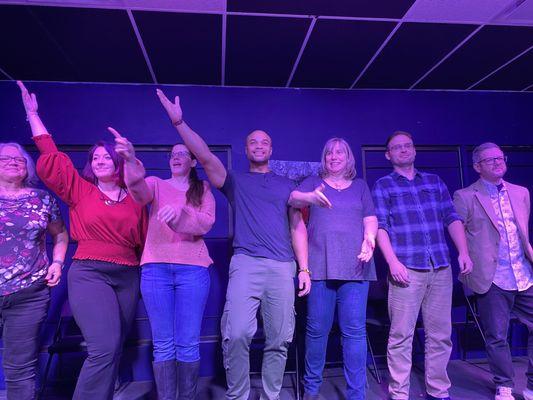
column 31, row 179
column 350, row 171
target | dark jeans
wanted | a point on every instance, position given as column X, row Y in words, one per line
column 175, row 296
column 103, row 297
column 22, row 314
column 495, row 309
column 350, row 298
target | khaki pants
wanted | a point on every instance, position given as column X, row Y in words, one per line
column 430, row 291
column 254, row 282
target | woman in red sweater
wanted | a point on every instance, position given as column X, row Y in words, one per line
column 110, row 227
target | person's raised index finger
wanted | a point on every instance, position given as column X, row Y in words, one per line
column 114, row 132
column 21, row 86
column 161, row 95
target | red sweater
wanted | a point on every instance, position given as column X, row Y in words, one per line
column 112, row 233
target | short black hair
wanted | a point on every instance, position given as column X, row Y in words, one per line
column 397, row 133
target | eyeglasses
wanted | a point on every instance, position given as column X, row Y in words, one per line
column 493, row 160
column 7, row 160
column 177, row 154
column 397, row 147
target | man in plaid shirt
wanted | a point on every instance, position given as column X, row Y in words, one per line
column 413, row 207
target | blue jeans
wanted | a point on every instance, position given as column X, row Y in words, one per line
column 175, row 296
column 350, row 297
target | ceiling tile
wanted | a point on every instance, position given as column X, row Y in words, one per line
column 515, row 76
column 490, row 48
column 466, row 11
column 338, row 51
column 345, row 8
column 183, row 48
column 28, row 51
column 261, row 51
column 99, row 44
column 413, row 50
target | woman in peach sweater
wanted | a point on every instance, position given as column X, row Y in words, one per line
column 175, row 278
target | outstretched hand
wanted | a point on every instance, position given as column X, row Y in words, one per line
column 123, row 146
column 28, row 99
column 318, row 197
column 173, row 109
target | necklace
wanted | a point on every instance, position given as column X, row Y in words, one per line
column 339, row 186
column 109, row 202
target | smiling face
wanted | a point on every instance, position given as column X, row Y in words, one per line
column 491, row 165
column 336, row 159
column 180, row 160
column 401, row 151
column 102, row 165
column 12, row 165
column 258, row 147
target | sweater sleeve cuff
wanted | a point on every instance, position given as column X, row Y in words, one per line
column 45, row 144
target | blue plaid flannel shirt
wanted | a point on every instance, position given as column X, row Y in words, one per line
column 414, row 214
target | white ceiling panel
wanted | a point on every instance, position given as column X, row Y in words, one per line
column 465, row 11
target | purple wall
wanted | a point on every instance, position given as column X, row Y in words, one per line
column 299, row 121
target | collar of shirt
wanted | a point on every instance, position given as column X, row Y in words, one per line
column 396, row 175
column 492, row 189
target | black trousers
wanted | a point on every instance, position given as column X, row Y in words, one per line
column 22, row 314
column 103, row 298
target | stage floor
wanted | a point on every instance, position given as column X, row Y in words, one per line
column 471, row 380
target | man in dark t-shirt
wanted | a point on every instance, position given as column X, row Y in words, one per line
column 268, row 236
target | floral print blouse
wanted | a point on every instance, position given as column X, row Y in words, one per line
column 23, row 224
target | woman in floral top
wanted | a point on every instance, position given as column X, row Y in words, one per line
column 26, row 275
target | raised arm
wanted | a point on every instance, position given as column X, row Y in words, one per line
column 29, row 100
column 212, row 165
column 53, row 167
column 134, row 171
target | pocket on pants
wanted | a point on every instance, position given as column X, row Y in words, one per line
column 224, row 331
column 290, row 328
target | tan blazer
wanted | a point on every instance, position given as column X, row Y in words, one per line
column 481, row 225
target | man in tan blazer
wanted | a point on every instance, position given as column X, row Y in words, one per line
column 496, row 216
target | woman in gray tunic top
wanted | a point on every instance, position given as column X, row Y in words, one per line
column 342, row 230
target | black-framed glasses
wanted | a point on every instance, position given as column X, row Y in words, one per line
column 493, row 160
column 400, row 146
column 18, row 160
column 177, row 154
